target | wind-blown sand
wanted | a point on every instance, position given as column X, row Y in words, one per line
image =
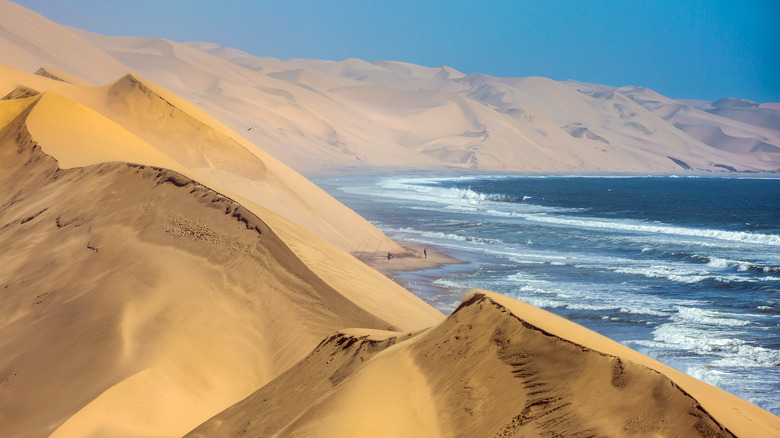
column 161, row 274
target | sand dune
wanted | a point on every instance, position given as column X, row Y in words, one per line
column 162, row 274
column 315, row 115
column 203, row 148
column 61, row 76
column 502, row 123
column 495, row 367
column 765, row 115
column 29, row 41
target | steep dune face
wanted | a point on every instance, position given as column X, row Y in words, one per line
column 175, row 301
column 197, row 145
column 274, row 406
column 188, row 140
column 59, row 124
column 495, row 367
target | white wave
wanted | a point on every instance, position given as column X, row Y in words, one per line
column 448, row 283
column 644, row 227
column 750, row 356
column 740, row 265
column 643, row 311
column 428, row 191
column 578, row 297
column 425, row 186
column 717, row 262
column 721, row 346
column 708, row 317
column 679, row 273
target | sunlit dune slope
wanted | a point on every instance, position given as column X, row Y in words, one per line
column 204, row 148
column 138, row 302
column 316, row 115
column 29, row 41
column 495, row 367
column 357, row 113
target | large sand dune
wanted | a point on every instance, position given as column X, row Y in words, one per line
column 152, row 126
column 494, row 368
column 138, row 302
column 356, row 113
column 314, row 115
column 161, row 274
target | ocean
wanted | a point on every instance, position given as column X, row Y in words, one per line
column 685, row 270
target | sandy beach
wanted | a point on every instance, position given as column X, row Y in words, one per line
column 413, row 257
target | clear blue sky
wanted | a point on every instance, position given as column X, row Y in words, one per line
column 683, row 49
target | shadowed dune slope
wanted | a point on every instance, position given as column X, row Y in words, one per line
column 81, row 126
column 175, row 301
column 495, row 368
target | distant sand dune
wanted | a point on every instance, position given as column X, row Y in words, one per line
column 61, row 76
column 315, row 115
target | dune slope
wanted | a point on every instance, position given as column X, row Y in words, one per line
column 175, row 302
column 357, row 113
column 495, row 367
column 29, row 41
column 316, row 115
column 191, row 142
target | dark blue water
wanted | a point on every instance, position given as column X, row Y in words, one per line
column 685, row 270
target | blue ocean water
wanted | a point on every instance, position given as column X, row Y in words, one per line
column 684, row 270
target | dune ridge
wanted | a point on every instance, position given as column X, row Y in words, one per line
column 317, row 115
column 495, row 367
column 163, row 273
column 341, row 111
column 169, row 132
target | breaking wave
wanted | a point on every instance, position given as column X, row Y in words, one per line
column 630, row 226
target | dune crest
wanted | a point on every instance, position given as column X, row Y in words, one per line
column 163, row 273
column 191, row 142
column 316, row 115
column 495, row 367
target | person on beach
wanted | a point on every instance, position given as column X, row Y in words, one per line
column 389, row 256
column 425, row 252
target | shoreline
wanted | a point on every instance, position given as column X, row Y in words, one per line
column 412, row 271
column 412, row 259
column 337, row 171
